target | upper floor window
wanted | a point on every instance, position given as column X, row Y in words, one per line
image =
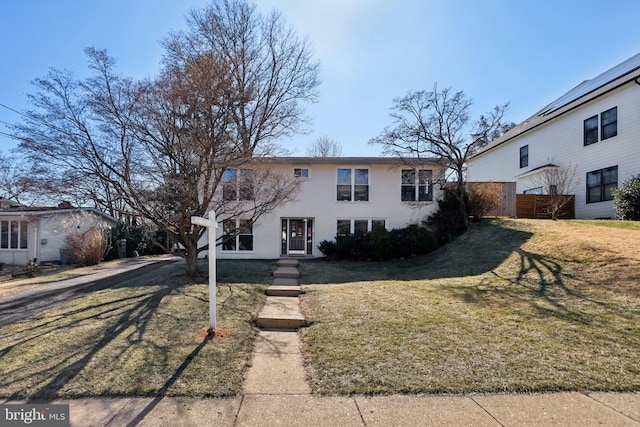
column 416, row 186
column 591, row 130
column 301, row 173
column 524, row 156
column 609, row 123
column 238, row 235
column 237, row 184
column 13, row 234
column 353, row 184
column 608, row 126
column 600, row 184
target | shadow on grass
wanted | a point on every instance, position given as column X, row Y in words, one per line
column 138, row 312
column 125, row 316
column 483, row 248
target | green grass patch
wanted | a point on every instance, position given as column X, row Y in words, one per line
column 144, row 337
column 512, row 306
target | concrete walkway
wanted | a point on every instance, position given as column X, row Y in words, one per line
column 275, row 393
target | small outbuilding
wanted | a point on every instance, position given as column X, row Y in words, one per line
column 38, row 233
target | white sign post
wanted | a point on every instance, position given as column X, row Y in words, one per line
column 211, row 225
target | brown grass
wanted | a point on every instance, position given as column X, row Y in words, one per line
column 514, row 305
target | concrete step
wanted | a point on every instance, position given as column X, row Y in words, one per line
column 285, row 262
column 284, row 281
column 283, row 291
column 280, row 313
column 286, row 273
column 280, row 322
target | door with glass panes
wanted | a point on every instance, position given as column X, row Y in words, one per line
column 297, row 236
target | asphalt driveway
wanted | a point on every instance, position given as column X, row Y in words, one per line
column 28, row 302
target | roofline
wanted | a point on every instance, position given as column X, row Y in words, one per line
column 346, row 160
column 594, row 94
column 49, row 211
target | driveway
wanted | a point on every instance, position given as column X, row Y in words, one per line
column 35, row 299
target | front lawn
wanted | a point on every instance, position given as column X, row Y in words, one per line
column 146, row 336
column 512, row 306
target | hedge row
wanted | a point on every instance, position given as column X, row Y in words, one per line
column 381, row 244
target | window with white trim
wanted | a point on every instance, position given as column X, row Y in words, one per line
column 353, row 185
column 416, row 186
column 237, row 184
column 237, row 235
column 301, row 173
column 345, row 227
column 13, row 234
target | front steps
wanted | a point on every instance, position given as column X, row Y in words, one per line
column 282, row 309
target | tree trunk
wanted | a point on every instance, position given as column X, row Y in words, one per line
column 191, row 257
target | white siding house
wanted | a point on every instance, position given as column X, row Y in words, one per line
column 594, row 128
column 337, row 195
column 28, row 234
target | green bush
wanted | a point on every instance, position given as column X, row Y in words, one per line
column 381, row 244
column 626, row 199
column 450, row 220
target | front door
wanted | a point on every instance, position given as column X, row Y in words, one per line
column 297, row 236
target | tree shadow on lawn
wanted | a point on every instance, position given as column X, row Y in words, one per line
column 125, row 317
column 543, row 286
column 478, row 251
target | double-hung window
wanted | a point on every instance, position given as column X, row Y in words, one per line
column 13, row 234
column 237, row 184
column 600, row 184
column 607, row 126
column 524, row 156
column 416, row 185
column 353, row 184
column 609, row 123
column 238, row 235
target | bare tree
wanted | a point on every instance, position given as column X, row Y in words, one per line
column 555, row 181
column 437, row 124
column 189, row 140
column 324, row 146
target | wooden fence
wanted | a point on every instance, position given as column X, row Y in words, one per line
column 507, row 204
column 534, row 206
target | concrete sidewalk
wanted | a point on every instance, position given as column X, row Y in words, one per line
column 553, row 409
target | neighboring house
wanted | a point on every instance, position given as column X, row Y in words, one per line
column 594, row 127
column 338, row 196
column 32, row 233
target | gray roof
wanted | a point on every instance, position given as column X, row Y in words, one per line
column 595, row 83
column 611, row 79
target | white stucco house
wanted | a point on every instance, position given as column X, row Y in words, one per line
column 338, row 195
column 594, row 128
column 36, row 233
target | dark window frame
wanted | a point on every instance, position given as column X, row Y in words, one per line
column 600, row 184
column 609, row 123
column 524, row 156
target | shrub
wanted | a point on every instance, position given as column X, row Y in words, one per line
column 450, row 220
column 626, row 199
column 381, row 244
column 138, row 239
column 88, row 248
column 483, row 198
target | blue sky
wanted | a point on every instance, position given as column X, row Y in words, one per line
column 525, row 52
